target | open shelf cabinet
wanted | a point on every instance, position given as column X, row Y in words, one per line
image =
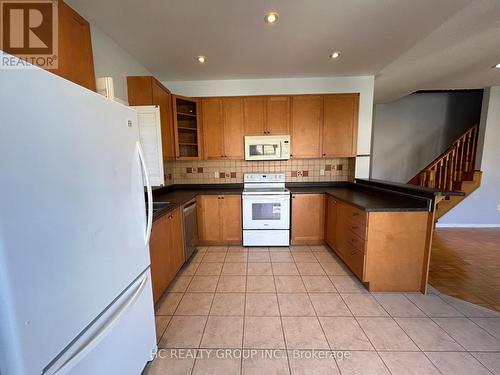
column 187, row 128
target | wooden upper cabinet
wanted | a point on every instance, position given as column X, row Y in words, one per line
column 340, row 125
column 232, row 109
column 163, row 98
column 267, row 115
column 278, row 115
column 147, row 90
column 320, row 125
column 76, row 61
column 308, row 218
column 254, row 108
column 306, row 126
column 231, row 219
column 213, row 128
column 187, row 128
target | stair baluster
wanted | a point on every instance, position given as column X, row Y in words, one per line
column 453, row 166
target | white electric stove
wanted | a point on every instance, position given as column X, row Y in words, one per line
column 266, row 210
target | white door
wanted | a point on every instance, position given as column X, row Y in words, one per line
column 72, row 213
column 148, row 117
column 266, row 211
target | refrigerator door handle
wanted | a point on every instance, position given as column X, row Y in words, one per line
column 149, row 190
column 94, row 340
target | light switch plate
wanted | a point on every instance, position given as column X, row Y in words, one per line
column 216, row 174
column 321, row 172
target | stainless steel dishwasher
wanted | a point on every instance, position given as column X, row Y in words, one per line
column 190, row 228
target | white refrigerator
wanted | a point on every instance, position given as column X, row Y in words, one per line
column 75, row 284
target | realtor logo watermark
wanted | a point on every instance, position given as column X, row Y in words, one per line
column 29, row 31
column 306, row 354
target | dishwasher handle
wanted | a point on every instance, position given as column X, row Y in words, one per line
column 190, row 205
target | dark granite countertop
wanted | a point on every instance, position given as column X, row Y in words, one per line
column 368, row 196
column 368, row 199
column 179, row 195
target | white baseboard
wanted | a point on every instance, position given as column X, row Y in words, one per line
column 444, row 225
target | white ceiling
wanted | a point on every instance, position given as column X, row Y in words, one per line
column 408, row 44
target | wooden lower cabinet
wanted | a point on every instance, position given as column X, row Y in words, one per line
column 166, row 250
column 385, row 250
column 308, row 219
column 219, row 219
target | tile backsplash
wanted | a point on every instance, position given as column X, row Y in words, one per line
column 231, row 171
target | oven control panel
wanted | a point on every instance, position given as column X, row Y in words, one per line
column 264, row 177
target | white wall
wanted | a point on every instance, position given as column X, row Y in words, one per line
column 480, row 208
column 277, row 86
column 110, row 60
column 411, row 132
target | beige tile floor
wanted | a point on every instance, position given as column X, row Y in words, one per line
column 298, row 310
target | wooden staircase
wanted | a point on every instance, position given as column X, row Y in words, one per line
column 453, row 170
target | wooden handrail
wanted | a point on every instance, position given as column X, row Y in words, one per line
column 453, row 166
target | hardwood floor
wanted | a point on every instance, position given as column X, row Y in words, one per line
column 465, row 263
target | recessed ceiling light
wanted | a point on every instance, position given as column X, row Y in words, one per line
column 335, row 55
column 201, row 59
column 271, row 17
column 497, row 66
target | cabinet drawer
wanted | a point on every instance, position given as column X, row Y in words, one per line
column 356, row 261
column 353, row 240
column 359, row 229
column 353, row 214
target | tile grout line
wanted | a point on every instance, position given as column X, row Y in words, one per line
column 458, row 317
column 368, row 338
column 282, row 325
column 208, row 316
column 426, row 316
column 316, row 313
column 418, row 347
column 244, row 314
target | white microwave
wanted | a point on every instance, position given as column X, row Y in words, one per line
column 267, row 147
